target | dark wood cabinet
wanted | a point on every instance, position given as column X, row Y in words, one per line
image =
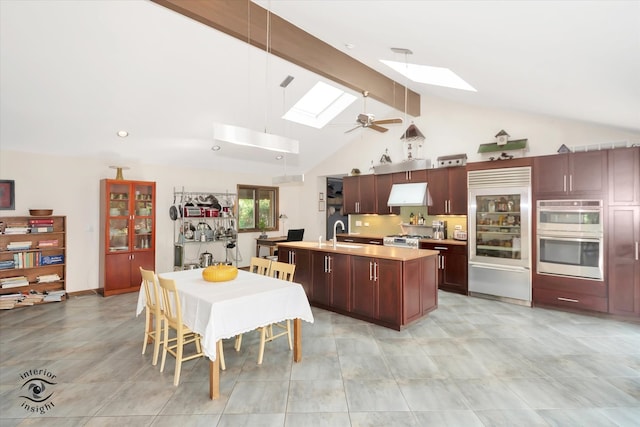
column 127, row 234
column 448, row 190
column 452, row 265
column 330, row 277
column 359, row 194
column 570, row 175
column 624, row 176
column 624, row 263
column 376, row 288
column 569, row 292
column 418, row 175
column 302, row 260
column 383, row 189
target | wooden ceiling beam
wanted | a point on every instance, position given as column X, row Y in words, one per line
column 247, row 21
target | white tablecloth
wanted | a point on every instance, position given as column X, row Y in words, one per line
column 225, row 309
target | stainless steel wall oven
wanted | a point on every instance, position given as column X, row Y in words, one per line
column 570, row 238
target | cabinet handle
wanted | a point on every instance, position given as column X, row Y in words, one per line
column 571, row 182
column 567, row 299
column 370, row 271
column 564, row 183
column 349, row 240
column 442, row 248
column 325, row 263
column 329, row 263
column 636, row 251
column 409, row 172
column 293, row 257
column 374, row 242
column 443, row 262
column 375, row 271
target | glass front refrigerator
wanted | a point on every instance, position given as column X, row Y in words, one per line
column 500, row 233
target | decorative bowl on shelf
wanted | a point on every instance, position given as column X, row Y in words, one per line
column 40, row 212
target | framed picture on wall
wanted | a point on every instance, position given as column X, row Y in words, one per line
column 7, row 194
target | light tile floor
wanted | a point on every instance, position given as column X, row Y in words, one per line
column 472, row 362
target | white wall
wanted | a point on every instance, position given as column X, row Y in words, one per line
column 70, row 186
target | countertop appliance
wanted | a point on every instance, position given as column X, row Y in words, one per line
column 499, row 233
column 439, row 228
column 404, row 240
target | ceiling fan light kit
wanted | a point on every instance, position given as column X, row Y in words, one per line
column 365, row 120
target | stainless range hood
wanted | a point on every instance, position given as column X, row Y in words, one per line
column 411, row 194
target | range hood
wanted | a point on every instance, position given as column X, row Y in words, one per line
column 412, row 194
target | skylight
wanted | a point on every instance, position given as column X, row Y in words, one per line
column 319, row 106
column 437, row 76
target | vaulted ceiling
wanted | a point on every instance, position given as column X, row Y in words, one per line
column 73, row 73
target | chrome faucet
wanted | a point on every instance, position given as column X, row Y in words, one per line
column 335, row 227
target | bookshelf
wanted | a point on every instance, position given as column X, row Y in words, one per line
column 32, row 258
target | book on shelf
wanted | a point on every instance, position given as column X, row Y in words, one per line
column 48, row 243
column 48, row 278
column 42, row 229
column 41, row 221
column 8, row 264
column 51, row 259
column 51, row 296
column 14, row 281
column 17, row 246
column 16, row 230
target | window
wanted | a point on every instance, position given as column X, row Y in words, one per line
column 258, row 208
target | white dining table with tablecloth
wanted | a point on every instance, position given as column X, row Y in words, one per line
column 220, row 310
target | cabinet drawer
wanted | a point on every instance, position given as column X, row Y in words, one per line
column 571, row 300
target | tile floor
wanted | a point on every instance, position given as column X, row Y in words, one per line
column 472, row 362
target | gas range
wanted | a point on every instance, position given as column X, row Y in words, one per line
column 404, row 240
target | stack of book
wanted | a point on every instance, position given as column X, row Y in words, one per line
column 18, row 246
column 14, row 282
column 48, row 243
column 9, row 301
column 7, row 264
column 16, row 229
column 51, row 296
column 48, row 278
column 27, row 259
column 41, row 225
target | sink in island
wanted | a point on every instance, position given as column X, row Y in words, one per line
column 388, row 286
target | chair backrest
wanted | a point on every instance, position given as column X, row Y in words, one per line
column 171, row 302
column 282, row 270
column 295, row 235
column 260, row 265
column 151, row 290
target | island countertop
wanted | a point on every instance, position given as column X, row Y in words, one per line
column 385, row 252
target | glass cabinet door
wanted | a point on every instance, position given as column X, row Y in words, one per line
column 143, row 216
column 118, row 217
column 498, row 226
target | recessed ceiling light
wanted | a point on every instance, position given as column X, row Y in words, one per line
column 349, row 45
column 279, row 157
column 123, row 133
column 216, row 148
column 437, row 76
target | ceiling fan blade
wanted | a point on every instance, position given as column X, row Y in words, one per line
column 351, row 130
column 378, row 128
column 387, row 121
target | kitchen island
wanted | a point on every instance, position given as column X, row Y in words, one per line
column 388, row 286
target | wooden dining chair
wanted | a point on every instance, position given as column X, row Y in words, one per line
column 258, row 266
column 282, row 271
column 154, row 317
column 184, row 335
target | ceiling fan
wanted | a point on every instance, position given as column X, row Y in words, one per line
column 365, row 120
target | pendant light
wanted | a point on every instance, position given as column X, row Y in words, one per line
column 412, row 137
column 286, row 179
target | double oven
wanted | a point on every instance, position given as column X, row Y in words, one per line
column 570, row 238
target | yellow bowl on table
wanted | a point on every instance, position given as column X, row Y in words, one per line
column 219, row 273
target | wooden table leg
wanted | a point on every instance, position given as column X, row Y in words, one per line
column 214, row 378
column 297, row 340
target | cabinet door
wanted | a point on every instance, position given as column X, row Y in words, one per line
column 550, row 175
column 383, row 188
column 624, row 266
column 363, row 287
column 438, row 187
column 419, row 175
column 624, row 176
column 321, row 291
column 340, row 283
column 350, row 194
column 458, row 191
column 389, row 275
column 144, row 259
column 588, row 173
column 117, row 272
column 367, row 187
column 455, row 276
column 302, row 259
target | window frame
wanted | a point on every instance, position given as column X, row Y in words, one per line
column 276, row 208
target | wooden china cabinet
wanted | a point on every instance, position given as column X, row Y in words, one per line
column 127, row 234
